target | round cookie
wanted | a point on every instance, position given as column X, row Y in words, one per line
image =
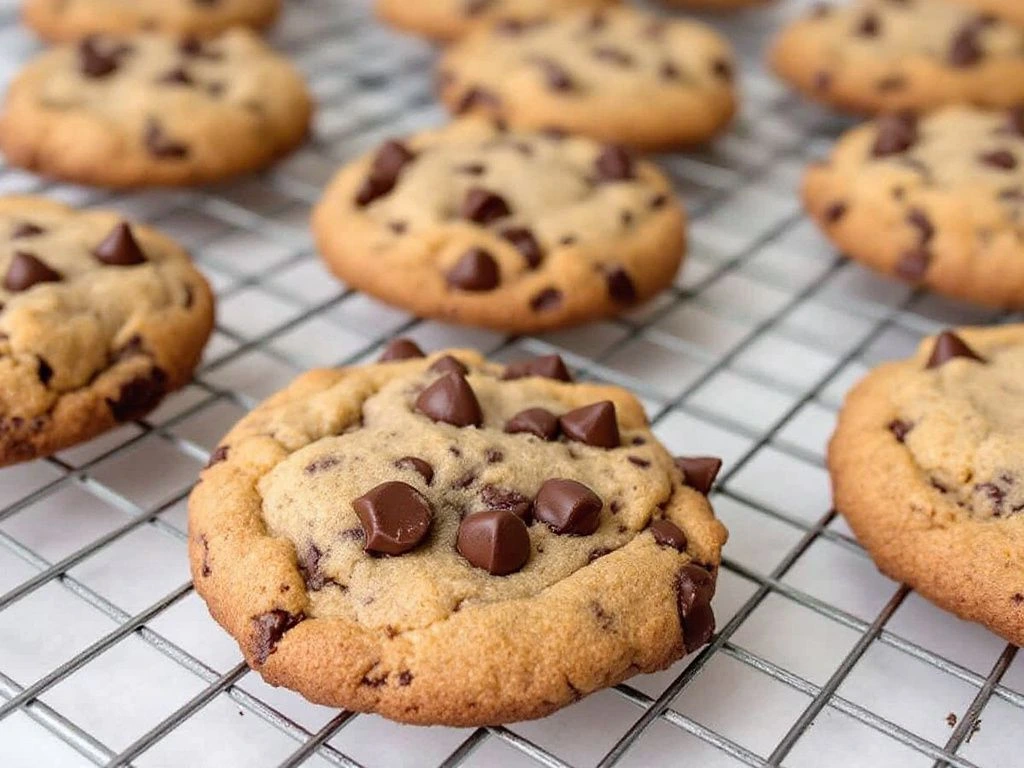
column 153, row 110
column 446, row 541
column 1010, row 10
column 618, row 75
column 450, row 19
column 71, row 20
column 937, row 201
column 876, row 56
column 926, row 466
column 519, row 232
column 99, row 320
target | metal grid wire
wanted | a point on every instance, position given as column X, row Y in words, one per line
column 763, row 306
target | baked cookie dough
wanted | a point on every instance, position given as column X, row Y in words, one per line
column 99, row 319
column 442, row 540
column 927, row 467
column 936, row 201
column 515, row 231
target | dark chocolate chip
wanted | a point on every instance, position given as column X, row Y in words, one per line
column 497, row 541
column 869, row 25
column 27, row 270
column 507, row 500
column 160, row 145
column 476, row 270
column 638, row 462
column 119, row 248
column 668, row 70
column 891, row 83
column 1002, row 159
column 478, row 97
column 309, row 566
column 568, row 507
column 268, row 630
column 614, row 163
column 695, row 588
column 595, row 425
column 494, row 456
column 545, row 366
column 219, row 455
column 547, row 300
column 896, row 133
column 418, row 465
column 322, row 464
column 723, row 69
column 668, row 534
column 395, row 518
column 139, row 396
column 26, row 229
column 612, row 55
column 834, row 212
column 534, row 421
column 176, row 76
column 949, row 346
column 900, row 429
column 964, row 49
column 196, row 48
column 526, row 244
column 96, row 59
column 43, row 371
column 471, row 169
column 387, row 166
column 621, row 286
column 556, row 76
column 699, row 471
column 920, row 221
column 448, row 364
column 400, row 349
column 482, row 206
column 476, row 7
column 913, row 264
column 451, row 400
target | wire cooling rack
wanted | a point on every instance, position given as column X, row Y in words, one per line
column 108, row 657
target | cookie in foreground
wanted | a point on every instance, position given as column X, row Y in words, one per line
column 99, row 319
column 935, row 201
column 443, row 540
column 510, row 230
column 154, row 110
column 926, row 467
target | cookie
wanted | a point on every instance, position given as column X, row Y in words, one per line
column 1010, row 10
column 715, row 5
column 618, row 76
column 876, row 56
column 936, row 201
column 927, row 467
column 450, row 19
column 515, row 231
column 154, row 110
column 72, row 20
column 442, row 540
column 99, row 320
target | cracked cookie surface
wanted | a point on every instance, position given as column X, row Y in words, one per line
column 149, row 110
column 99, row 321
column 450, row 19
column 875, row 56
column 509, row 230
column 618, row 75
column 70, row 20
column 936, row 201
column 445, row 540
column 926, row 466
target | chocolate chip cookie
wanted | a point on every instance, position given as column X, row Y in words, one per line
column 449, row 19
column 154, row 110
column 715, row 5
column 444, row 540
column 927, row 467
column 876, row 56
column 72, row 20
column 99, row 319
column 618, row 75
column 504, row 229
column 937, row 201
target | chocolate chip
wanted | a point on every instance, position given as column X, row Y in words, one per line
column 526, row 244
column 668, row 534
column 556, row 76
column 920, row 221
column 638, row 462
column 471, row 169
column 568, row 507
column 534, row 421
column 545, row 366
column 695, row 588
column 723, row 69
column 482, row 206
column 497, row 541
column 476, row 7
column 658, row 201
column 495, row 498
column 614, row 163
column 451, row 400
column 913, row 264
column 219, row 455
column 621, row 286
column 119, row 248
column 598, row 553
column 494, row 456
column 949, row 346
column 595, row 425
column 834, row 212
column 612, row 55
column 896, row 133
column 475, row 271
column 699, row 471
column 160, row 145
column 309, row 566
column 448, row 364
column 477, row 97
column 268, row 630
column 1003, row 159
column 900, row 429
column 395, row 517
column 668, row 70
column 43, row 371
column 95, row 60
column 385, row 169
column 176, row 76
column 27, row 270
column 964, row 49
column 547, row 300
column 26, row 229
column 418, row 465
column 891, row 83
column 405, row 678
column 400, row 349
column 822, row 81
column 139, row 396
column 869, row 25
column 196, row 48
column 322, row 464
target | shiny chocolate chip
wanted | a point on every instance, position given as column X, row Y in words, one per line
column 451, row 400
column 699, row 472
column 534, row 421
column 476, row 270
column 568, row 507
column 395, row 518
column 417, row 465
column 496, row 541
column 949, row 346
column 400, row 349
column 27, row 270
column 595, row 425
column 482, row 206
column 119, row 248
column 614, row 163
column 668, row 534
column 695, row 588
column 545, row 366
